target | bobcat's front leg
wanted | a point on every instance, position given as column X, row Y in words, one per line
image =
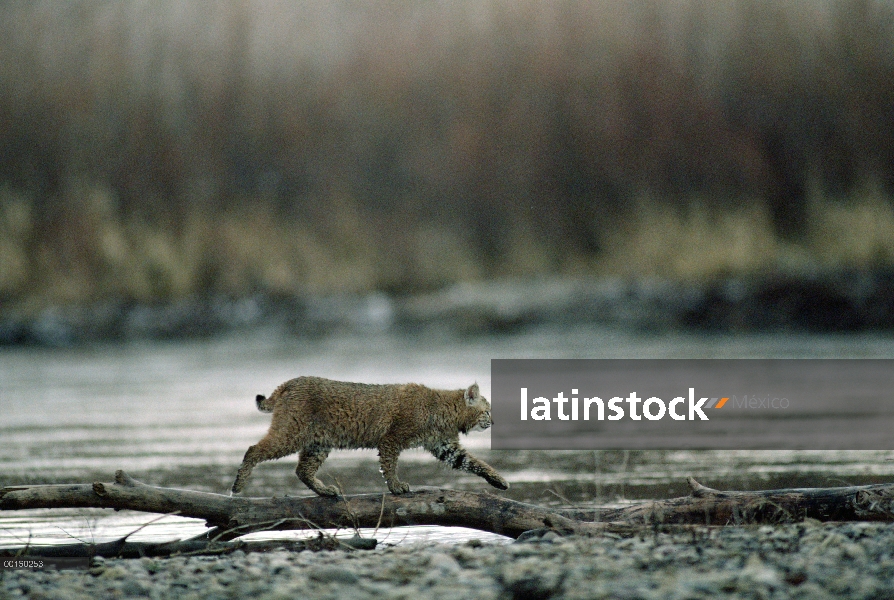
column 388, row 453
column 453, row 454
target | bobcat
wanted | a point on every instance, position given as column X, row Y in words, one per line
column 312, row 415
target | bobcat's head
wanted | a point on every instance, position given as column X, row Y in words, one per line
column 478, row 416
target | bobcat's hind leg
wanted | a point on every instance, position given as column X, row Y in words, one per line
column 388, row 453
column 309, row 462
column 267, row 449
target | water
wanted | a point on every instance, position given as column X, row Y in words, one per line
column 182, row 415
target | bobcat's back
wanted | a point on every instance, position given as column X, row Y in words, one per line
column 342, row 414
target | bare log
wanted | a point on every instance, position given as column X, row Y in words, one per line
column 231, row 517
column 708, row 506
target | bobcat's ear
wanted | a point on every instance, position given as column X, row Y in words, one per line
column 472, row 395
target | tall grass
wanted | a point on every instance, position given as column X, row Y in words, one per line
column 160, row 149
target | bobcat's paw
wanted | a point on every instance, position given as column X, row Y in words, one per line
column 328, row 491
column 497, row 481
column 399, row 488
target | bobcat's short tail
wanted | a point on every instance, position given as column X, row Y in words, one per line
column 265, row 405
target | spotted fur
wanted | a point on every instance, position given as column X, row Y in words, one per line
column 312, row 416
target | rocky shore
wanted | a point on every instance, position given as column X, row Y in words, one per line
column 805, row 560
column 831, row 302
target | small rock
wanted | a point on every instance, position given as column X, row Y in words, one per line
column 444, row 563
column 759, row 573
column 551, row 536
column 333, row 575
column 114, row 572
column 228, row 577
column 219, row 566
column 134, row 587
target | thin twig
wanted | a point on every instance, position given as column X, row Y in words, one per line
column 381, row 514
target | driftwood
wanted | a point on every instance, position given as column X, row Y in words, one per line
column 231, row 517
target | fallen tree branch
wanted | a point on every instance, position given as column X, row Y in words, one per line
column 231, row 517
column 708, row 506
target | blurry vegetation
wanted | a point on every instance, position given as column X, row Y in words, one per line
column 161, row 149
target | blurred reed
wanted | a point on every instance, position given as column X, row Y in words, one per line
column 160, row 149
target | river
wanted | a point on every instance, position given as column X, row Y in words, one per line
column 182, row 414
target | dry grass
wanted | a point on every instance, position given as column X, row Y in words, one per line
column 857, row 234
column 240, row 252
column 700, row 242
column 693, row 242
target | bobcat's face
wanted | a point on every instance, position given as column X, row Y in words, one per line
column 484, row 420
column 481, row 407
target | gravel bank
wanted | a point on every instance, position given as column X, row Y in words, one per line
column 808, row 560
